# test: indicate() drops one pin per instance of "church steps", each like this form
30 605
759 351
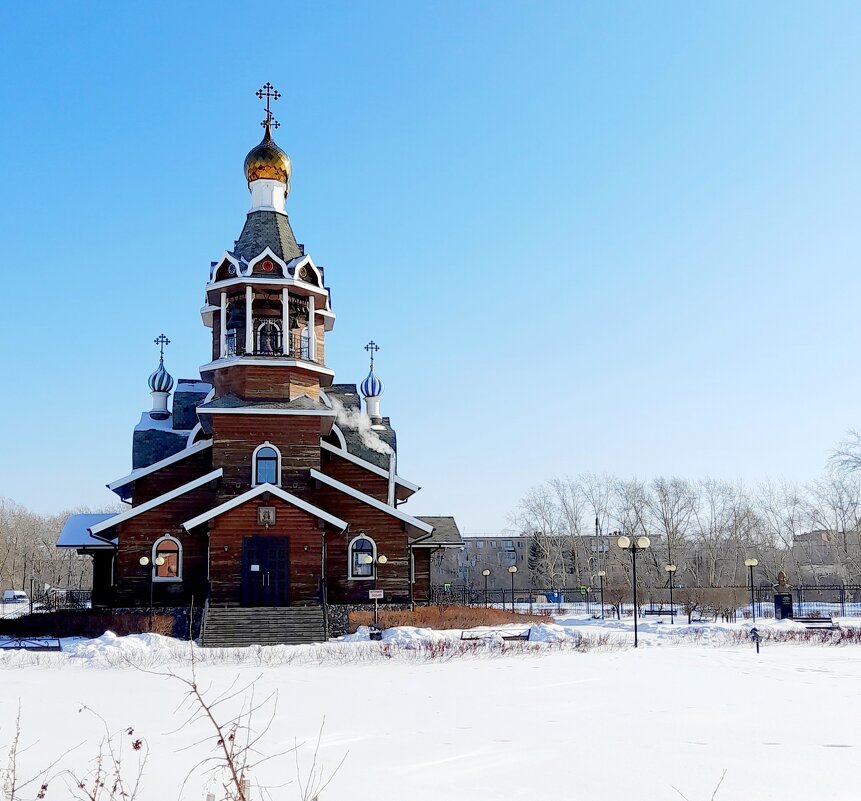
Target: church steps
237 627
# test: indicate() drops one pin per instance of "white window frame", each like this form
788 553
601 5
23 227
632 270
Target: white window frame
350 576
179 559
275 448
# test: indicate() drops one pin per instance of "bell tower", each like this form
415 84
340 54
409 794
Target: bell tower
266 302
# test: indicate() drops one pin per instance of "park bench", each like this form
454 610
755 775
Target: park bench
704 615
661 612
30 644
505 634
817 622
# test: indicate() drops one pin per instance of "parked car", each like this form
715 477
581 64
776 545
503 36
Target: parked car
15 597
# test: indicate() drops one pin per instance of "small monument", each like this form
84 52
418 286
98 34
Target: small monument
782 599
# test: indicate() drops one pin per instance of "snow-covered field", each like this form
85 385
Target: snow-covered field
569 718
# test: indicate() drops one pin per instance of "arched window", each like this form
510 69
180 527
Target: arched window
305 344
269 338
167 559
266 465
362 557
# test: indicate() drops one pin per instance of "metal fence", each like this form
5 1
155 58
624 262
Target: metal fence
729 603
52 599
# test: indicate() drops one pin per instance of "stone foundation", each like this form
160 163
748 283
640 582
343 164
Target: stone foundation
338 615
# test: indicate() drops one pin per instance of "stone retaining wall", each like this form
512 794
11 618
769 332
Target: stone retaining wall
338 615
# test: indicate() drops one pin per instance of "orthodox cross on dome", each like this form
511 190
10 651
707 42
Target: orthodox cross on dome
161 340
372 347
270 93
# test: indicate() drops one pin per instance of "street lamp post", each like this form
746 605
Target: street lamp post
601 574
512 570
159 561
485 573
751 564
671 570
369 560
634 546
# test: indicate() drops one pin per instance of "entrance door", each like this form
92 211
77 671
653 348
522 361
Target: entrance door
265 562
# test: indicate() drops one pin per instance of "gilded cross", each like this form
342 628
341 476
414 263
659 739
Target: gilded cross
270 93
161 340
372 347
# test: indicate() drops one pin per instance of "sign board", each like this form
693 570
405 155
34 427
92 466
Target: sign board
375 595
255 568
783 606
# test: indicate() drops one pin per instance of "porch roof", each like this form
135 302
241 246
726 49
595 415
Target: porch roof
115 520
445 534
272 490
76 532
413 522
121 485
407 486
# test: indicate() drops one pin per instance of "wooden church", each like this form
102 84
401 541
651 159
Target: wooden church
263 492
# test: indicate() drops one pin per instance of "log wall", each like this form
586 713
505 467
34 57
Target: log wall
305 535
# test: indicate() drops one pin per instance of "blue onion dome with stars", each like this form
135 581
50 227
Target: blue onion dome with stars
161 380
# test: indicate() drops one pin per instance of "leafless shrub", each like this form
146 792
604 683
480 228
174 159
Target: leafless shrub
90 624
105 779
713 795
14 787
442 617
234 745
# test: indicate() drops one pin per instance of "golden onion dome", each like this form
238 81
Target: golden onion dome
267 161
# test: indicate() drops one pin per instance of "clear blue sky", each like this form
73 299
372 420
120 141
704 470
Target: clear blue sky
612 237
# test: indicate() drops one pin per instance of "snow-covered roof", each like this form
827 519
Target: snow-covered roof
148 423
192 385
76 531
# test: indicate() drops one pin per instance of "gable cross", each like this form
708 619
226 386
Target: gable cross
269 92
161 340
372 347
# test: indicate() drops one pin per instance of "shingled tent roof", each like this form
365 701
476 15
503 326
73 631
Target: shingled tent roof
267 229
348 396
231 401
445 531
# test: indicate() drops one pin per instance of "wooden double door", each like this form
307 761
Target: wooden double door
265 571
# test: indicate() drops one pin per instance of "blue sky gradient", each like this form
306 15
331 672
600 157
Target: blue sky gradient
588 237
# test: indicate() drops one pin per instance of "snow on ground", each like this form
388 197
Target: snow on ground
609 723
